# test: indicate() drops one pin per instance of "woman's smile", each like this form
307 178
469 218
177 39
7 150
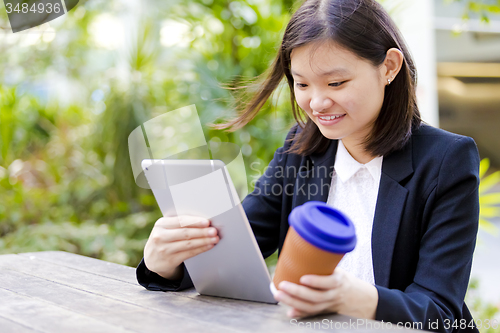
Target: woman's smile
328 120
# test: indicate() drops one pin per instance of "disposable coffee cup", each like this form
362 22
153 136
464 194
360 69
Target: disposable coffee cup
317 239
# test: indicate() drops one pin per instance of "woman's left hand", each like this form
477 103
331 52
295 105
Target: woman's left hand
339 292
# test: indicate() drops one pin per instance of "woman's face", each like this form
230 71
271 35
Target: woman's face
340 92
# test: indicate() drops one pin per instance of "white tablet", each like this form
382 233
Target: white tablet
234 267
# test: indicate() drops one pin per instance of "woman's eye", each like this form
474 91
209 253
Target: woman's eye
336 84
301 85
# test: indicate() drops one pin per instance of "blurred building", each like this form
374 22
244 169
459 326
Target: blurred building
468 75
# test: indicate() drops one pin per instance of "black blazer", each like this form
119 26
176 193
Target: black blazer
424 229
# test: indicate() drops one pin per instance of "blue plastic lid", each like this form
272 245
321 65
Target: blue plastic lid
323 226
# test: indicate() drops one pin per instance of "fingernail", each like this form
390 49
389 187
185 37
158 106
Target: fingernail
212 232
283 285
213 239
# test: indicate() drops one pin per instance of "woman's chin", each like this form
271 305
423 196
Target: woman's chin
329 134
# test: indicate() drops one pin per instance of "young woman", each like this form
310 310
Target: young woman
410 189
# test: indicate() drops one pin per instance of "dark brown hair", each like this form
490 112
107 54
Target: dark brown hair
364 28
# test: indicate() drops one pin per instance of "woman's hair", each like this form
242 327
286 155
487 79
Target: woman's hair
364 28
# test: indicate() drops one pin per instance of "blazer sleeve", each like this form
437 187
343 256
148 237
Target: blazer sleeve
446 247
264 205
263 211
152 281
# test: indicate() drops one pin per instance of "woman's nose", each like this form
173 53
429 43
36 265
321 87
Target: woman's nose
320 103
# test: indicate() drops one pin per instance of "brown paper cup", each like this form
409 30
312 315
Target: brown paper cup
298 257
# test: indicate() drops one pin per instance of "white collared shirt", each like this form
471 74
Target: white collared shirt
354 191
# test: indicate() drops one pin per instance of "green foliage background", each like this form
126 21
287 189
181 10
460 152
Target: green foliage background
65 175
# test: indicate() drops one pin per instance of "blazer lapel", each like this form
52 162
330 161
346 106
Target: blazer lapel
391 200
315 176
313 183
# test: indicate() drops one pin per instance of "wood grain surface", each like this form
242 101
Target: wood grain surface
64 292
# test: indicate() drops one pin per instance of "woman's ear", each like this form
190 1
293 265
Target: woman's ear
392 64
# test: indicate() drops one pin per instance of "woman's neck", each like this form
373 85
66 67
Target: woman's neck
358 152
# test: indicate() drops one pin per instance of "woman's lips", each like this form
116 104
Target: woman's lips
328 120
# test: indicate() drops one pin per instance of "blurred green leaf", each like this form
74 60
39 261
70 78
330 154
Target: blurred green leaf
488 182
490 199
484 165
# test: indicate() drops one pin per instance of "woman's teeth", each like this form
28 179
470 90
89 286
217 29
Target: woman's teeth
331 117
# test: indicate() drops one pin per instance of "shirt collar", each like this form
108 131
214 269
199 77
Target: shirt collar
346 166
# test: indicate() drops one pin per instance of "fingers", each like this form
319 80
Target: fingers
165 256
186 233
191 244
295 313
323 282
306 293
306 307
175 239
299 304
184 255
188 221
315 294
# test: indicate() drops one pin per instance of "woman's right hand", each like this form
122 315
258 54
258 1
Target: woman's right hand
175 239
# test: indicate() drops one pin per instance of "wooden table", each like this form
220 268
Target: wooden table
65 292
